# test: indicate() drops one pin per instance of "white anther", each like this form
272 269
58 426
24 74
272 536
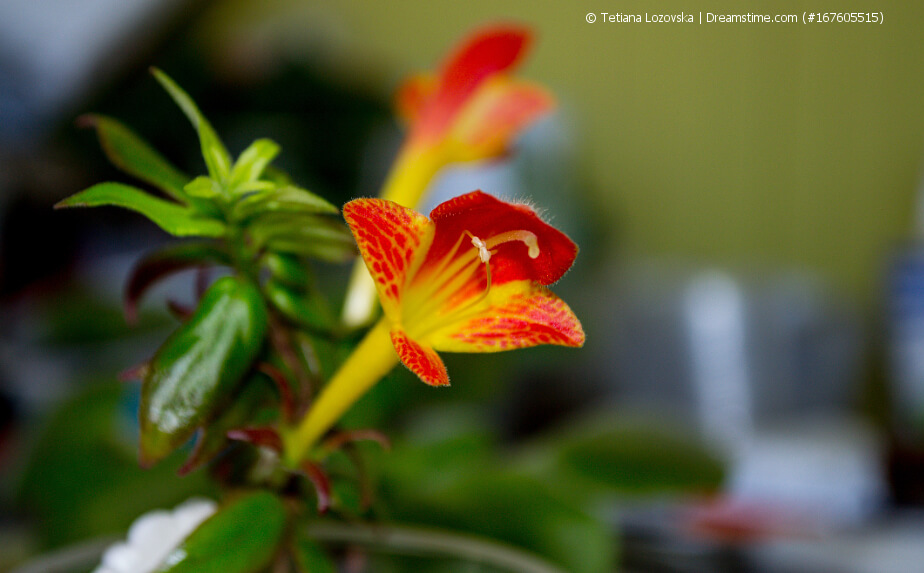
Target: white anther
483 253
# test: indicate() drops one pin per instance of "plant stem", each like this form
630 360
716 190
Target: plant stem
399 539
370 361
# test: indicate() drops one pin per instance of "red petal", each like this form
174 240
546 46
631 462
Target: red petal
414 95
421 360
495 115
389 237
527 315
483 54
486 216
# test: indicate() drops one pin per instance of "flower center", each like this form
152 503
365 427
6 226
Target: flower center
454 287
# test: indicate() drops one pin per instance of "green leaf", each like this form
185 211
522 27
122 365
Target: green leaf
251 163
288 199
202 187
242 537
315 236
175 219
217 158
625 458
198 367
289 270
307 309
134 156
255 404
310 558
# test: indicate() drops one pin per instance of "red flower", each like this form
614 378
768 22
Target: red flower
473 108
469 279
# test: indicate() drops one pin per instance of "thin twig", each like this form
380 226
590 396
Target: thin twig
400 539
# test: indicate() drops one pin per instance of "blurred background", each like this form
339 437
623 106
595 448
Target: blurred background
748 199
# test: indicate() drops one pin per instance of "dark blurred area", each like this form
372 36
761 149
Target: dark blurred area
750 278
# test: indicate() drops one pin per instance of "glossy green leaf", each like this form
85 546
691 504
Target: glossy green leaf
241 537
251 163
310 558
171 217
304 308
284 200
134 156
200 365
217 158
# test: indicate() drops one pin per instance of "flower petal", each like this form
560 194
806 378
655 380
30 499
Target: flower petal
521 314
486 53
486 216
414 95
421 360
496 113
392 240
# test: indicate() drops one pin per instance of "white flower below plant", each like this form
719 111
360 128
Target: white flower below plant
153 536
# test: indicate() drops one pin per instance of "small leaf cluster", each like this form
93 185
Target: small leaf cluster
232 361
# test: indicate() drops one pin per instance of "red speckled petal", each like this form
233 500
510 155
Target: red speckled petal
496 113
486 52
421 360
525 314
392 240
486 216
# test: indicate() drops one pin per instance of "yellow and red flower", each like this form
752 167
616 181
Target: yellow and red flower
471 278
473 108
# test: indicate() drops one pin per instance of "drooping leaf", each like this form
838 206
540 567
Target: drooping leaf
241 537
127 151
175 219
285 200
217 158
199 366
603 457
251 163
165 262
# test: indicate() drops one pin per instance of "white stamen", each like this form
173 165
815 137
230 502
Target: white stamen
483 253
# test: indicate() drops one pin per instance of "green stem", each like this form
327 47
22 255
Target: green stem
370 361
399 539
